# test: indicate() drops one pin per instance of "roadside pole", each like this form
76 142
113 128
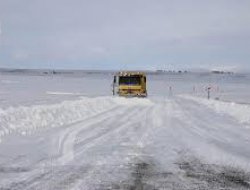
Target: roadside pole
208 92
170 91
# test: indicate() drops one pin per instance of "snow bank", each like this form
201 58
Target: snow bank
26 119
9 82
241 112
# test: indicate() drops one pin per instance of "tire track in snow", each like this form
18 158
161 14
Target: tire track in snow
29 180
212 124
100 137
164 124
148 122
213 131
36 173
116 137
87 126
136 152
94 124
110 127
71 127
68 137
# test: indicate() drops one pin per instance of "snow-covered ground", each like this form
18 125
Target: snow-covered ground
60 132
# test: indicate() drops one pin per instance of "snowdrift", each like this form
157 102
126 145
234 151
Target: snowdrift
25 120
240 112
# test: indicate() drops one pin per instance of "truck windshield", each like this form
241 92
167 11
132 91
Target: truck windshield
129 80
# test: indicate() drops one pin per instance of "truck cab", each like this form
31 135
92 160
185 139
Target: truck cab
130 84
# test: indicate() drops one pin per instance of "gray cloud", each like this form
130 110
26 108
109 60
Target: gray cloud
118 33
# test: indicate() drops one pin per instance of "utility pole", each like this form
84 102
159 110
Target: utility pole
170 91
208 92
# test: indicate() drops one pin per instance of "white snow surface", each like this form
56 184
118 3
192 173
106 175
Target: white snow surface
70 133
241 112
25 119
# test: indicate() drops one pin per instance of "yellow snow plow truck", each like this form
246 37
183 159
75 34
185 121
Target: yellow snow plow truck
130 84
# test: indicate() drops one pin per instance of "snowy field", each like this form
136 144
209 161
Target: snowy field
68 132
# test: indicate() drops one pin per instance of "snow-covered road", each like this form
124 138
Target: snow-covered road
116 143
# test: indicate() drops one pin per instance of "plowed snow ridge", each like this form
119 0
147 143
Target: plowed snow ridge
27 119
240 112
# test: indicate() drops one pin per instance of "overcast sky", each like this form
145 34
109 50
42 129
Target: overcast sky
125 34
